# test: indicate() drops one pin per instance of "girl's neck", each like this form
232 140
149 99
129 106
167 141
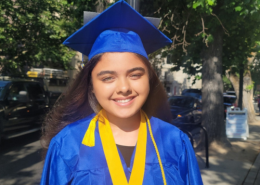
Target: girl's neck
125 130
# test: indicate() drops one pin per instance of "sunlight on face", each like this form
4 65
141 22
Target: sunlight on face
121 83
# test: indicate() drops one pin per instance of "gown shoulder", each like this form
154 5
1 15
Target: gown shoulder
74 131
174 141
177 150
69 139
168 131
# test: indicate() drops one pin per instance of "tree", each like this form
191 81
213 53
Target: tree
32 32
242 51
202 32
251 77
255 71
247 87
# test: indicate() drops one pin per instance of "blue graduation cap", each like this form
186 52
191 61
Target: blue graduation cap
117 29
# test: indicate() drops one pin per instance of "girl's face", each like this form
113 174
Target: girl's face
121 83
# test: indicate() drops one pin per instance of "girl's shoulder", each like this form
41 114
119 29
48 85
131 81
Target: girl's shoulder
166 129
172 139
73 133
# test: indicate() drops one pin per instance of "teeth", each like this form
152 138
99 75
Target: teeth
124 101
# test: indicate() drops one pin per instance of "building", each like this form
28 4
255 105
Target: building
174 81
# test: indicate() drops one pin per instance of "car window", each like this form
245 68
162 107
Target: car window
196 95
3 88
181 102
229 99
231 93
14 91
1 91
198 104
35 91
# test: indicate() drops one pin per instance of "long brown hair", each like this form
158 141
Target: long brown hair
79 101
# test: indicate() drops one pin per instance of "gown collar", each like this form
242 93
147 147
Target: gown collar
88 155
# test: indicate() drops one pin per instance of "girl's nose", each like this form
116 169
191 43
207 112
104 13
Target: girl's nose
123 86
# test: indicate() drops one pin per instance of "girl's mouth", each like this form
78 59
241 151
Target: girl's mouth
125 101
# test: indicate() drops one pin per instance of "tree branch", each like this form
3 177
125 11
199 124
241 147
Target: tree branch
225 30
182 42
203 32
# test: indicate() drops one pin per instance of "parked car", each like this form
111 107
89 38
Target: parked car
52 96
23 104
185 110
229 101
231 93
192 92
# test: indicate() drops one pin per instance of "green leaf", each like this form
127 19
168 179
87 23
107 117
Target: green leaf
211 2
210 38
196 4
238 8
249 87
197 77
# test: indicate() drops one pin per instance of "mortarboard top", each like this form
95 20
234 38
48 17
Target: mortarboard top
117 29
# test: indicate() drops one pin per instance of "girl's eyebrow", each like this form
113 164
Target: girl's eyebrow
105 72
128 71
136 69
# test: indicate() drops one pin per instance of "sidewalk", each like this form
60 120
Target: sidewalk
239 165
253 177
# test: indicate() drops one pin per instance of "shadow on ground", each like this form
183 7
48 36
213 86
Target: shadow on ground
230 166
20 160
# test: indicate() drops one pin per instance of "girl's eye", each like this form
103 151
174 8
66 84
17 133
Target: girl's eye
107 79
136 76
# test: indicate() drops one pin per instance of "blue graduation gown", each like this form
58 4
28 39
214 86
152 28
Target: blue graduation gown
70 162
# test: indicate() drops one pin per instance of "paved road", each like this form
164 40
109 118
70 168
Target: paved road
20 160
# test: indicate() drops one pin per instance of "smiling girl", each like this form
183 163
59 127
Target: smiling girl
108 127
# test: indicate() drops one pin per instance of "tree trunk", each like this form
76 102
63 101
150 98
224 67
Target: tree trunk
100 6
247 94
235 83
248 97
241 84
212 89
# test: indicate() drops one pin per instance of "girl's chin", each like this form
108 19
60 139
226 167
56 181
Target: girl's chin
124 114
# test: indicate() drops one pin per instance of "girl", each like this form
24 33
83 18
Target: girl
104 130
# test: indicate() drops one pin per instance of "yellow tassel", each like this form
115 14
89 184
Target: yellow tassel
89 137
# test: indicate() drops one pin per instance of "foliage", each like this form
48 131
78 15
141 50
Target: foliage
215 34
249 87
227 84
191 25
32 32
255 71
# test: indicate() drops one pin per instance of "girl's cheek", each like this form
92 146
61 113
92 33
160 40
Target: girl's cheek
104 90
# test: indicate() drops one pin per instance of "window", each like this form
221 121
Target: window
3 88
229 99
14 91
181 102
58 82
35 91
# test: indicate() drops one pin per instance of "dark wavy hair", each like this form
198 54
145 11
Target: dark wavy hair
79 101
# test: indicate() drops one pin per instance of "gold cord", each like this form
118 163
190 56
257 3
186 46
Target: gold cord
156 149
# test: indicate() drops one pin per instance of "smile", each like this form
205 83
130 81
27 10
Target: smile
124 101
